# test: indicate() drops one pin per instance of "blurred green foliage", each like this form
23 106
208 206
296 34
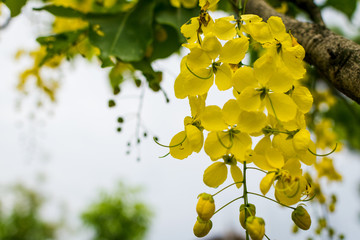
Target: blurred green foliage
118 215
23 220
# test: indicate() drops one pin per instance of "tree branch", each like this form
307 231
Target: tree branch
337 58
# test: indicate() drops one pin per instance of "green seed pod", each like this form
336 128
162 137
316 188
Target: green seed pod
251 211
301 218
255 226
205 207
202 228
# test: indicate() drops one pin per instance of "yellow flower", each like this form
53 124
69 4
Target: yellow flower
301 218
326 168
216 173
191 140
205 207
184 3
250 211
264 86
202 228
225 138
255 226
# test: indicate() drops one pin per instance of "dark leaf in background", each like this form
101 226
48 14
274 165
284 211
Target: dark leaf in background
15 6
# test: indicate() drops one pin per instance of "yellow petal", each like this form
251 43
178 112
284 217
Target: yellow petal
281 106
234 50
211 46
264 67
303 98
301 140
195 137
213 147
224 29
231 112
249 99
183 150
189 29
280 81
267 182
259 31
274 158
179 87
223 77
198 58
215 174
278 29
197 104
307 157
244 77
212 119
285 145
236 174
241 145
251 122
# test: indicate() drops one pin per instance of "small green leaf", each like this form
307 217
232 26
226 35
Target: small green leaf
15 6
59 43
60 11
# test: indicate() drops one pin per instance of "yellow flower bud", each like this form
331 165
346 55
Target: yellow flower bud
205 207
255 226
202 228
251 211
301 218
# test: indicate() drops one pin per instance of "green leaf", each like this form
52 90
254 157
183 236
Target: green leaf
124 35
175 17
15 6
59 43
60 11
346 116
347 7
166 42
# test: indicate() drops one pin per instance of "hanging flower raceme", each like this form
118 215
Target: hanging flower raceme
269 101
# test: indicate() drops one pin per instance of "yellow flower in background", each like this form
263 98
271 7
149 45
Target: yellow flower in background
184 3
325 168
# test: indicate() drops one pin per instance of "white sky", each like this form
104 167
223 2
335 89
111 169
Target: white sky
79 152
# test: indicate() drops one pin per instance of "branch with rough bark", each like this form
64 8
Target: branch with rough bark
335 57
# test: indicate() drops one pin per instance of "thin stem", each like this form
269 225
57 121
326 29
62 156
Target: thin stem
170 146
165 155
323 155
226 187
231 141
271 200
204 78
244 7
272 107
245 199
266 236
257 169
228 204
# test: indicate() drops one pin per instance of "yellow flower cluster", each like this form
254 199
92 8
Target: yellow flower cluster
268 102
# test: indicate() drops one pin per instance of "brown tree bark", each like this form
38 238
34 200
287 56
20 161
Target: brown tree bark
337 58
